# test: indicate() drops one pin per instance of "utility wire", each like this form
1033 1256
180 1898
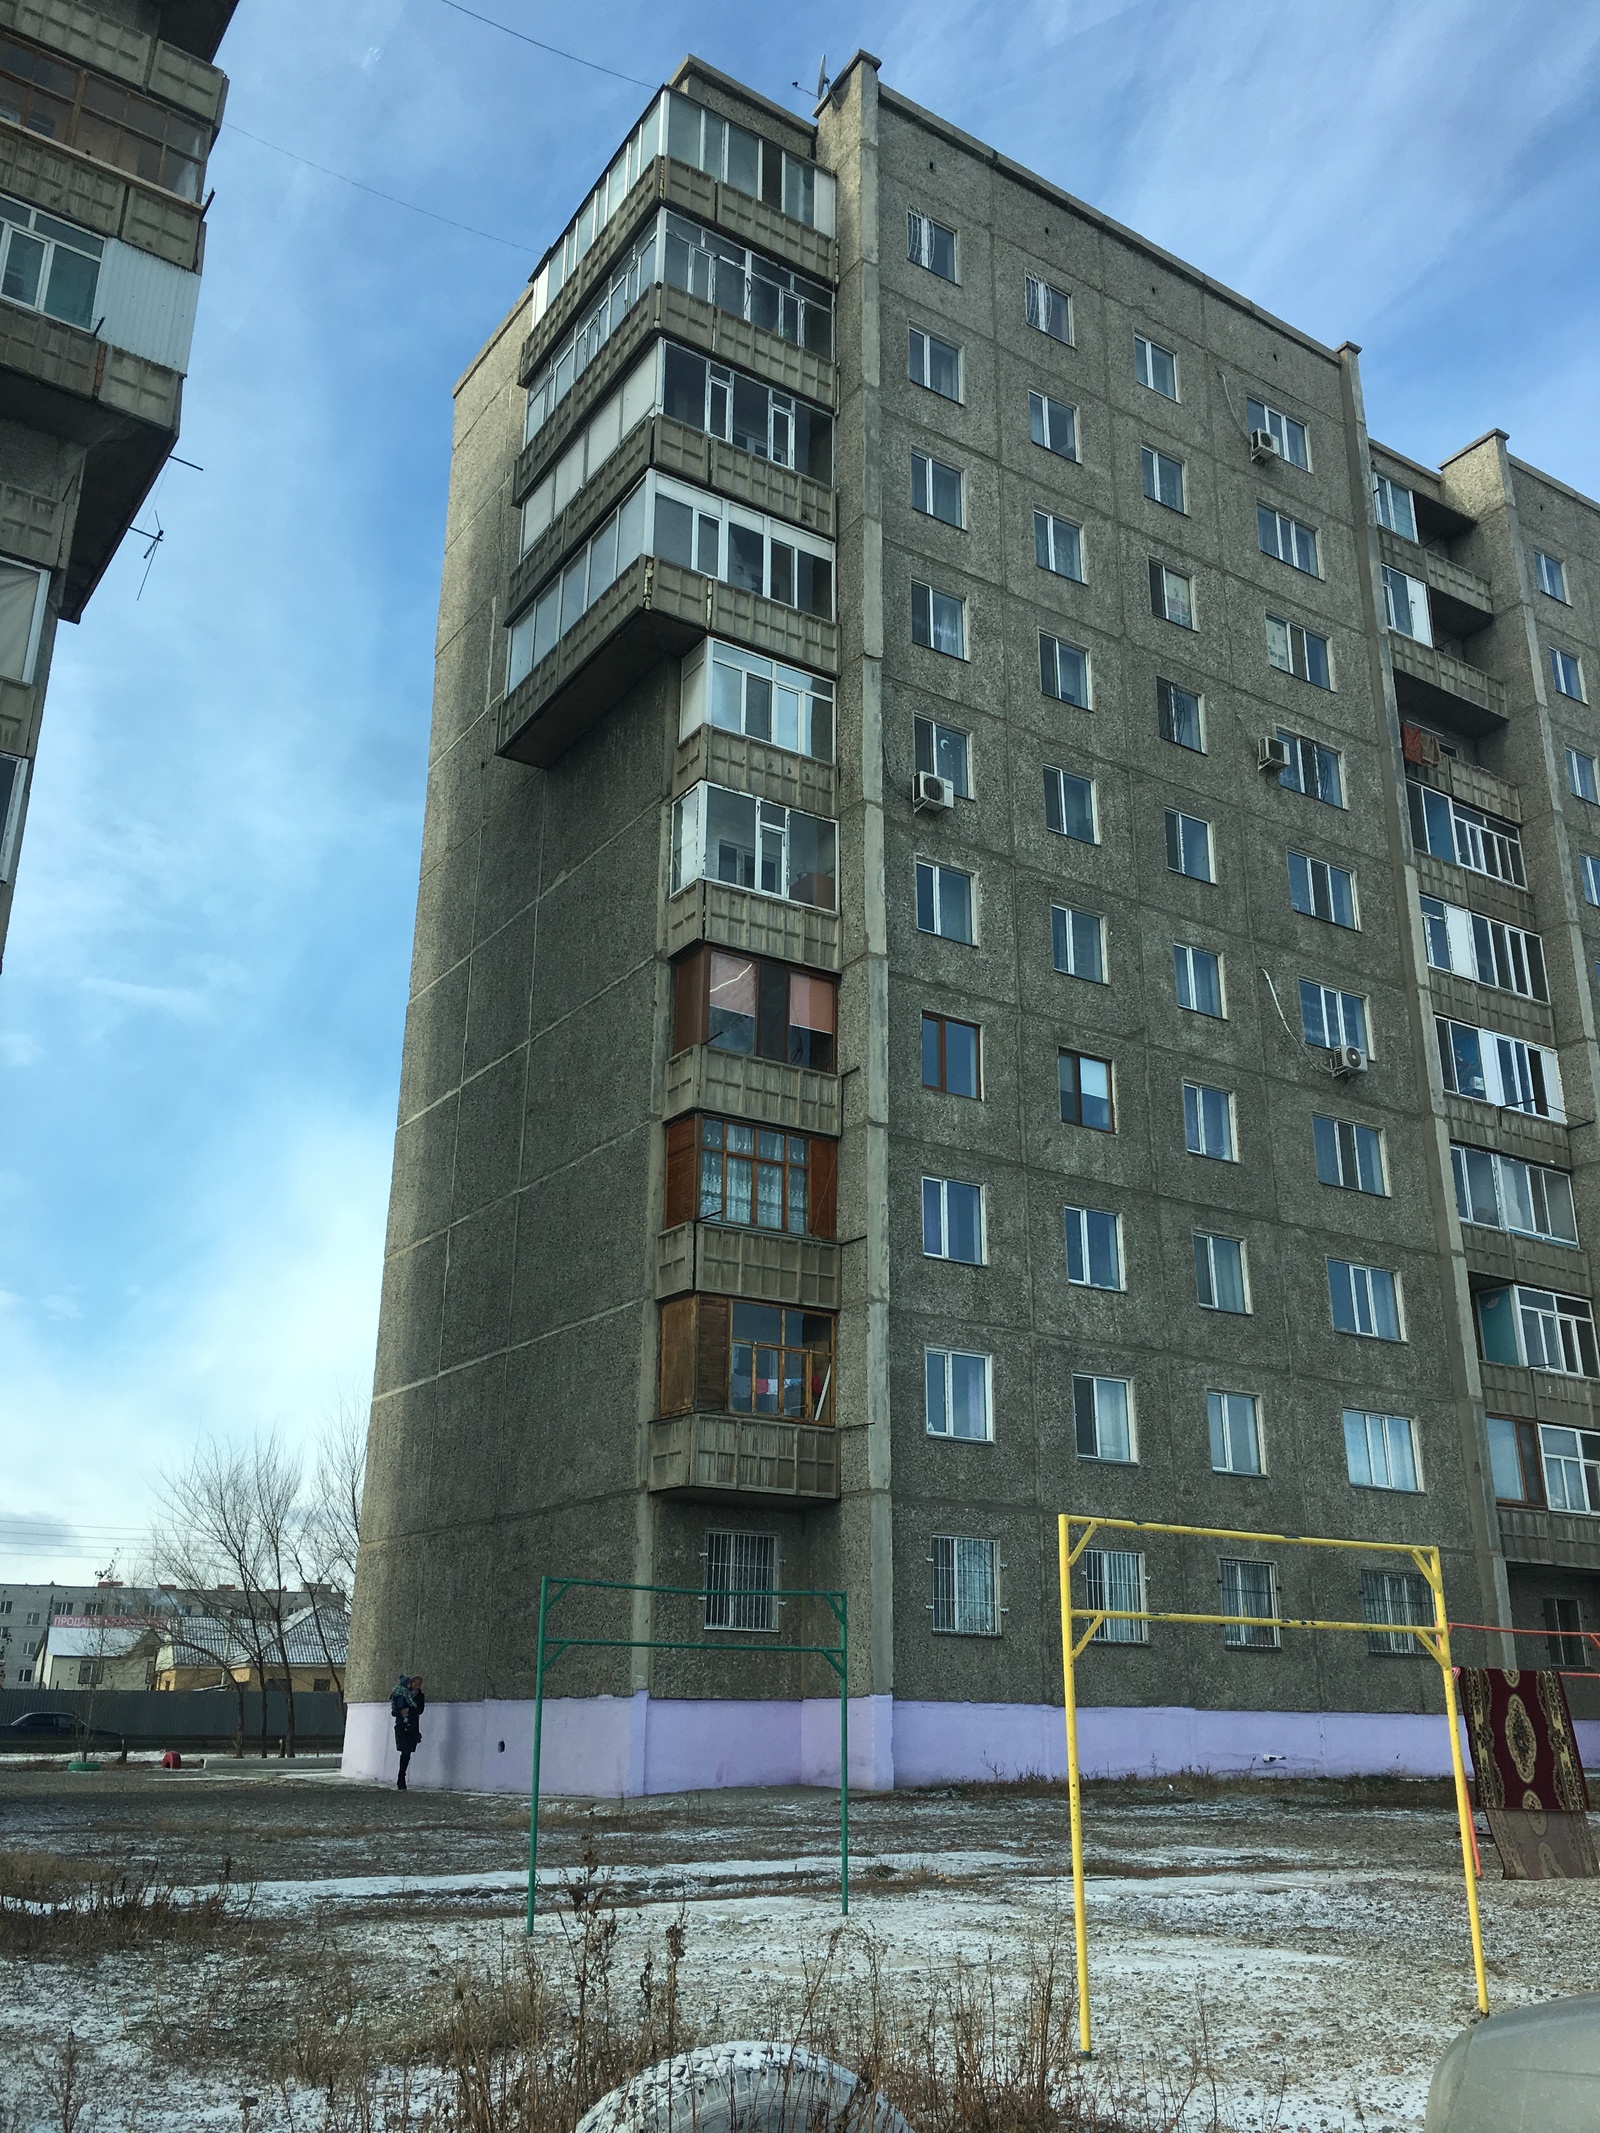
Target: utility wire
522 37
394 200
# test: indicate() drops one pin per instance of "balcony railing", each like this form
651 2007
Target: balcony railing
1438 686
702 1078
1462 601
1555 1537
743 1455
760 1265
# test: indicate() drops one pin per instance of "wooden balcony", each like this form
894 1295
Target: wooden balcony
703 1455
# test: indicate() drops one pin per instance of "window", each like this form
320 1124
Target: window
1514 1459
745 413
1321 891
950 1056
1365 1300
1313 769
1189 846
1551 574
741 1581
1250 1589
1571 1468
1395 1596
754 1176
1380 1451
1483 948
936 489
1094 1248
938 620
759 1009
105 121
952 1221
1053 424
1085 1084
748 163
46 264
934 364
1064 671
1047 309
779 1362
1502 1192
23 592
1289 434
1171 595
1465 836
1279 535
1199 980
1581 778
1208 1121
1297 651
958 1395
965 1601
1220 1282
929 244
592 445
1396 509
1069 807
1348 1155
13 786
1181 716
1163 478
1567 674
944 901
1155 366
946 751
1058 545
1234 1419
1563 1614
742 692
1113 1579
1405 602
1078 943
1102 1415
722 835
1492 1069
1589 870
1536 1329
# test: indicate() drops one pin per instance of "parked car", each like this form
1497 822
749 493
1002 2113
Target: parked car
59 1726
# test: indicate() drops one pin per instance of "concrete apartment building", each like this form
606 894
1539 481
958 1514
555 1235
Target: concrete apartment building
108 109
1008 922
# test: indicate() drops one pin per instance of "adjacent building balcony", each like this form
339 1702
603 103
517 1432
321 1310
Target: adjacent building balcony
702 1078
780 774
765 1266
698 324
1461 600
743 1455
1438 687
1549 1537
759 925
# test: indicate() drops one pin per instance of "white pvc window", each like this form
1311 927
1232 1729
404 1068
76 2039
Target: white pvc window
1381 1450
1395 1596
1058 545
13 790
1053 424
1163 478
1571 1460
637 397
1535 1329
1078 943
1318 890
1465 836
1047 309
1064 671
939 621
1396 509
1198 976
944 752
1505 1071
958 1394
1069 806
930 244
1581 777
1114 1580
762 699
1189 847
1171 595
966 1595
1234 1422
936 489
23 593
1094 1248
47 264
1349 1155
1289 434
1297 651
1155 366
1180 714
1286 538
1250 1589
1365 1300
722 835
1566 671
953 1221
1405 602
1208 1121
1551 575
934 364
1103 1420
1313 769
945 901
1486 949
1221 1273
1329 1018
1503 1192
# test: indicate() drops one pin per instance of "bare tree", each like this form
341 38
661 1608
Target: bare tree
330 1530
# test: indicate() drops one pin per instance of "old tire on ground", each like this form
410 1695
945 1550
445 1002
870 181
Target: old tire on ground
745 2087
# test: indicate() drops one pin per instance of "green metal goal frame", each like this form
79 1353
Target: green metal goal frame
552 1590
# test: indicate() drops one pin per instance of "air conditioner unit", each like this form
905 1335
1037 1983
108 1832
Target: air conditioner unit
1272 753
1263 445
930 791
1348 1059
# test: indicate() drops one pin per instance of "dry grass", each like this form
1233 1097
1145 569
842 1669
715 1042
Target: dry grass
68 1910
1199 1788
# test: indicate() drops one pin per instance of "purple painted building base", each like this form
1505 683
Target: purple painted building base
624 1746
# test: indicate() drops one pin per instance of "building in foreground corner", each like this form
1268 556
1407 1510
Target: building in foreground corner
1007 924
108 109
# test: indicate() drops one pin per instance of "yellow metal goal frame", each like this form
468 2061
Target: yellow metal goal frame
1434 1639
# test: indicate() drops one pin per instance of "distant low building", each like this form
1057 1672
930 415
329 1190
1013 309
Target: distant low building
97 1652
219 1651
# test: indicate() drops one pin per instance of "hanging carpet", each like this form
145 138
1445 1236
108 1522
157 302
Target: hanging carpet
1529 1774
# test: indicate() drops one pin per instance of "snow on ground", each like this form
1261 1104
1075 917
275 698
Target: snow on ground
1312 1948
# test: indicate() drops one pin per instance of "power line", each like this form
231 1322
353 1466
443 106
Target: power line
539 44
394 200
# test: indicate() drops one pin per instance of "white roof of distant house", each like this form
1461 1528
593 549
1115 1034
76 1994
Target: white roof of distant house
192 1640
95 1639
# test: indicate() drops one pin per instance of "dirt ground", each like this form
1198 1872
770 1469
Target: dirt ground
1305 1944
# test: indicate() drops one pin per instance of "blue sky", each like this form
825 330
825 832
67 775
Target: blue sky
204 989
